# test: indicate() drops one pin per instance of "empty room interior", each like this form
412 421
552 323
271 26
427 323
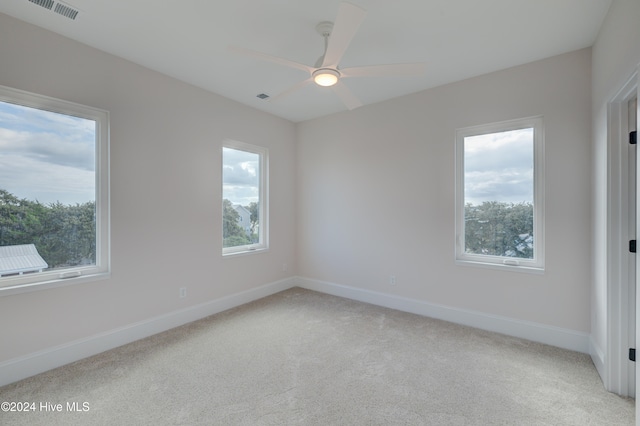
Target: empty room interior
470 167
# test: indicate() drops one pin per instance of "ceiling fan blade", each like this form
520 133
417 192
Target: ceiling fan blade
347 23
274 59
384 70
290 90
347 96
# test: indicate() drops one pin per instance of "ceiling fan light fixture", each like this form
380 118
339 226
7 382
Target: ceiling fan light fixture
326 77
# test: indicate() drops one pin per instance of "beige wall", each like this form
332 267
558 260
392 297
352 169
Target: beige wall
376 194
166 140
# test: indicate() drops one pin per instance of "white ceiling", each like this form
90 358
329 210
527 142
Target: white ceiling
188 40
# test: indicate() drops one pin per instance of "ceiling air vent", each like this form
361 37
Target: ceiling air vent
262 96
60 8
66 11
47 4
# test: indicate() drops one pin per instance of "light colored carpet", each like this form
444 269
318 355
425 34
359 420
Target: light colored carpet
305 358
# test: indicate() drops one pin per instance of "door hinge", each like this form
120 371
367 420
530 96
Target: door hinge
632 137
632 246
632 354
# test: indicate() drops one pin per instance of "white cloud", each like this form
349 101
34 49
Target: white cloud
499 167
240 176
46 156
51 182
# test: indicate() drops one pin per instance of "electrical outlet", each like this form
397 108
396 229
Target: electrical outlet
392 279
183 292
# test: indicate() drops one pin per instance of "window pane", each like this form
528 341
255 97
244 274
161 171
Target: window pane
498 193
241 198
47 190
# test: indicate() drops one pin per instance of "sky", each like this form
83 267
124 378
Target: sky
499 167
240 176
46 156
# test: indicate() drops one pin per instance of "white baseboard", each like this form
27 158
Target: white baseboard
38 362
597 355
555 336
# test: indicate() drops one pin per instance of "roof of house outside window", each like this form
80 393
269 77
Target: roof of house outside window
20 259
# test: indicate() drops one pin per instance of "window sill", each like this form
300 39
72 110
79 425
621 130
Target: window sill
245 251
53 283
528 269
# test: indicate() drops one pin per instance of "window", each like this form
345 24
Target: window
54 191
244 198
499 194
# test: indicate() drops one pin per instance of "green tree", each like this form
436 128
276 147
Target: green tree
16 219
232 233
254 209
65 235
499 229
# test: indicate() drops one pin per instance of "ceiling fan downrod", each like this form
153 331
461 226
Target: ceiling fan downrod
325 77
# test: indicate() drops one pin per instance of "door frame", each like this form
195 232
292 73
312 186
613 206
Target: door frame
617 368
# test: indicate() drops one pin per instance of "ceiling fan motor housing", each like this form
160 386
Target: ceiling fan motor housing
325 76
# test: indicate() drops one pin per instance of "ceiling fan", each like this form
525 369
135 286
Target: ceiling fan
326 71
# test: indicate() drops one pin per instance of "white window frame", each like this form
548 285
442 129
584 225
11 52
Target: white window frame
535 265
73 275
263 230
